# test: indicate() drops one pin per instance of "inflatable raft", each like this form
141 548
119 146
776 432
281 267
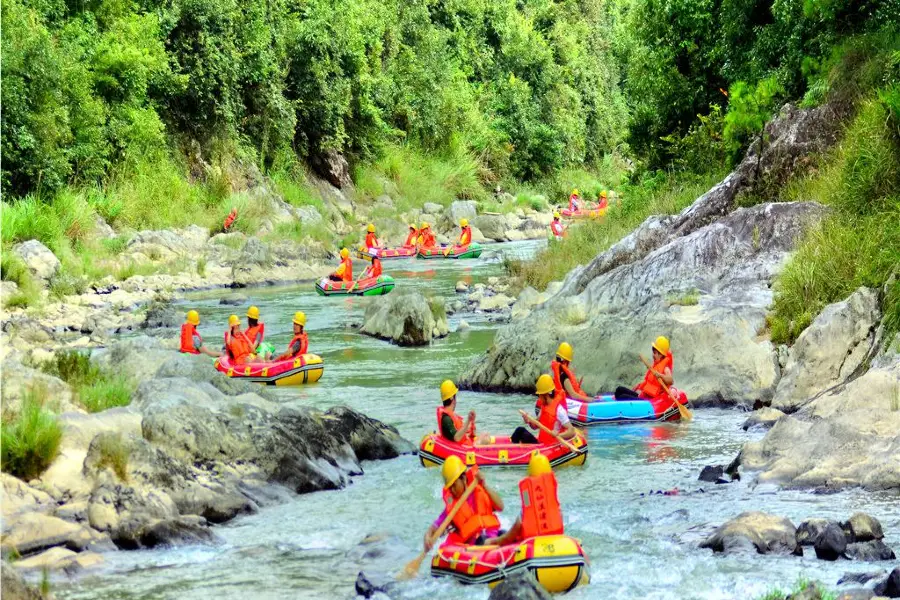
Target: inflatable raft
607 410
388 253
557 562
306 368
372 286
581 213
472 250
434 450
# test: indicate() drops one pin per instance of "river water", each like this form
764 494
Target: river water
640 545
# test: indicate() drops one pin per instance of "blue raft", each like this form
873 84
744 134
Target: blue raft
607 410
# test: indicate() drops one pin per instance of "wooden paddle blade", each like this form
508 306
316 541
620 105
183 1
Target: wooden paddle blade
412 568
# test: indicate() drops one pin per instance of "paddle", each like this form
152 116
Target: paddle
682 409
562 441
412 567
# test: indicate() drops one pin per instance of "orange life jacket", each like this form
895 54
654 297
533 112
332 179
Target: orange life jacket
373 270
650 387
426 238
347 274
188 333
465 237
258 330
229 220
469 521
238 346
557 228
604 203
371 240
557 368
411 238
458 422
304 344
573 202
541 514
547 417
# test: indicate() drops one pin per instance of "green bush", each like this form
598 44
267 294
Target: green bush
107 392
73 367
30 440
114 453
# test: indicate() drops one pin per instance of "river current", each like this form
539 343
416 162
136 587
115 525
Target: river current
640 544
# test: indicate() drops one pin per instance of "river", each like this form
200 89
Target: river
640 545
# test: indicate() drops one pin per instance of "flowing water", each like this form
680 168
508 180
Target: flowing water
640 545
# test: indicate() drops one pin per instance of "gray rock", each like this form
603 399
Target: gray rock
255 252
864 527
810 531
831 544
711 473
831 350
29 533
406 319
462 287
861 578
767 534
308 215
764 418
332 165
19 380
431 208
521 585
493 227
42 263
458 210
872 550
370 439
890 587
162 315
855 594
13 586
367 588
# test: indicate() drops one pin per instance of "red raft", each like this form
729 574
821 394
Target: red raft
556 561
501 452
306 368
593 213
388 253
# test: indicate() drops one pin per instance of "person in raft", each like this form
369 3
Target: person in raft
557 228
372 240
426 236
344 272
541 514
650 387
452 426
256 332
475 520
602 201
237 344
552 415
465 235
574 200
411 237
564 380
299 344
191 342
373 270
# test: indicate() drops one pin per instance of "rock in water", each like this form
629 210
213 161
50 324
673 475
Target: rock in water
832 543
767 534
406 319
890 587
367 588
865 528
830 350
711 473
872 550
370 439
764 418
520 586
811 531
162 315
13 586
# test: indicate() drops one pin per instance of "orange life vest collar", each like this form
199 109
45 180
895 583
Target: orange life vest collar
541 514
558 369
547 418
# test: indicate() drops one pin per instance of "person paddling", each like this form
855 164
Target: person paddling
256 333
552 415
237 345
557 228
465 235
191 342
574 200
564 379
662 367
373 270
372 240
452 426
475 520
426 237
299 344
411 237
541 513
602 201
344 272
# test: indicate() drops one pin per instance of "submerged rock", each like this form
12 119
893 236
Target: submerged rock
406 319
763 418
520 586
890 587
873 550
755 531
831 543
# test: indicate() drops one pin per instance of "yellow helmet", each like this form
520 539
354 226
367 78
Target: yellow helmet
300 318
575 191
544 384
424 225
603 194
661 344
233 320
193 317
371 228
344 253
448 390
463 222
253 312
412 225
538 465
564 351
556 215
452 470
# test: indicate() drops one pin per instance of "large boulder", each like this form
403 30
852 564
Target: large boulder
719 355
406 319
864 528
42 263
832 542
18 381
458 210
755 531
871 551
846 437
17 497
33 532
332 165
370 439
831 350
495 227
521 585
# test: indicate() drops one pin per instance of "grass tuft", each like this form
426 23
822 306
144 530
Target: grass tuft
96 389
114 453
30 440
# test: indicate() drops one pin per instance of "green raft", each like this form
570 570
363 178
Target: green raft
472 250
372 286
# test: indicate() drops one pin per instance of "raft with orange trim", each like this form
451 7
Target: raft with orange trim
609 411
370 286
388 253
435 448
581 213
306 368
472 250
558 562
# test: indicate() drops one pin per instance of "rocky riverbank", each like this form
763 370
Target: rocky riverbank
193 448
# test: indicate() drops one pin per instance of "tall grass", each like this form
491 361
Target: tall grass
114 453
96 389
662 194
30 440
